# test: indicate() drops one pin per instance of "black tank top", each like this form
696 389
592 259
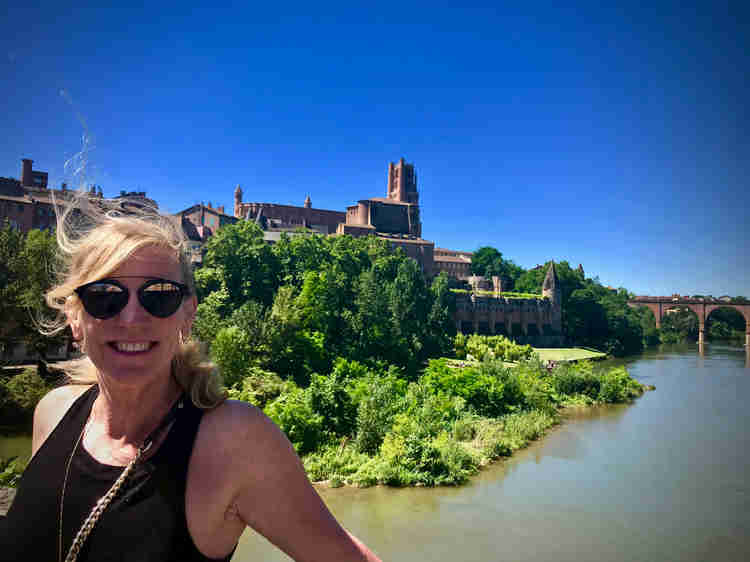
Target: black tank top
146 521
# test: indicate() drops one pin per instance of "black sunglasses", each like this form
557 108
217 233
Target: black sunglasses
108 297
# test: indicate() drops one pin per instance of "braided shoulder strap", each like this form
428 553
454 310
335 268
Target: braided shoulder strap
101 505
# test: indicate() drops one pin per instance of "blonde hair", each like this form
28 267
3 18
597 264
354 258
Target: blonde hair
95 236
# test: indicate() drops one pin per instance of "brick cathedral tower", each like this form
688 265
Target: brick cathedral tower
402 182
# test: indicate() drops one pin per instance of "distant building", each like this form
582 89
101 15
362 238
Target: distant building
199 222
28 203
395 214
206 218
453 263
395 217
272 215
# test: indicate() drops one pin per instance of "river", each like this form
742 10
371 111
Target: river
665 478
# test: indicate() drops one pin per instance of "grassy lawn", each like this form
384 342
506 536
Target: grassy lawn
559 354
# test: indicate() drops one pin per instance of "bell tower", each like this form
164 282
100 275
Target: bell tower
238 201
402 182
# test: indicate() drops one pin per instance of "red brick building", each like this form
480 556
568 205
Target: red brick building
272 215
26 203
395 218
454 263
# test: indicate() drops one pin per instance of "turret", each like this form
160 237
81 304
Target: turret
551 286
27 178
238 201
308 202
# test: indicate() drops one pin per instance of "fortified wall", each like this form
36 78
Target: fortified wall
536 321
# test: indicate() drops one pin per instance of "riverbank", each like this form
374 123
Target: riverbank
457 419
596 479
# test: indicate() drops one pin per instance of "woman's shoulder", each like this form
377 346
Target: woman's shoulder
51 409
242 432
233 422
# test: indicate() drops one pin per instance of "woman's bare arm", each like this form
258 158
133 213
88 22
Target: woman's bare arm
271 493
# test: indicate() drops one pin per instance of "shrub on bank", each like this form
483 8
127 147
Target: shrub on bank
292 412
259 387
10 471
19 396
365 425
484 348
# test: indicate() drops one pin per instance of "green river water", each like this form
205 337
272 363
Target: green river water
665 478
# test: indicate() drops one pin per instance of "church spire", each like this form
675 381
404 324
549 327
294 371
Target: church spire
551 286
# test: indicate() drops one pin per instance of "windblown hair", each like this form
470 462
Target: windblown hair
95 236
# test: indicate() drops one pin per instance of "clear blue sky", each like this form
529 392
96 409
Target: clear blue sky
614 137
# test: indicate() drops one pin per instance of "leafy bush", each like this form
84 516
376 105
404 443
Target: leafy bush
484 348
489 388
292 412
19 396
232 352
329 399
570 381
258 387
618 386
426 413
457 463
490 438
334 461
11 471
210 316
379 398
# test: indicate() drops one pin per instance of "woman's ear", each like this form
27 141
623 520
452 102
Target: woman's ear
74 319
191 305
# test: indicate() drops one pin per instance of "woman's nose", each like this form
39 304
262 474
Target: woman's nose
133 313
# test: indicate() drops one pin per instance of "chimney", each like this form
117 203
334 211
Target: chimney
209 205
220 208
27 179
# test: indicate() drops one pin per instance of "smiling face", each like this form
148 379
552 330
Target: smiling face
134 347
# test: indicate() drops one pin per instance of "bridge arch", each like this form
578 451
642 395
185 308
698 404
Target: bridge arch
702 307
711 317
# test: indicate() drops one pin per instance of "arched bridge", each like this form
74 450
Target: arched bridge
701 306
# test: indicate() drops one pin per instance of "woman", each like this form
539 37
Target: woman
180 470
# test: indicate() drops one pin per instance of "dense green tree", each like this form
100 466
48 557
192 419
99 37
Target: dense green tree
441 326
409 306
488 261
246 263
624 329
28 268
485 261
11 247
586 318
